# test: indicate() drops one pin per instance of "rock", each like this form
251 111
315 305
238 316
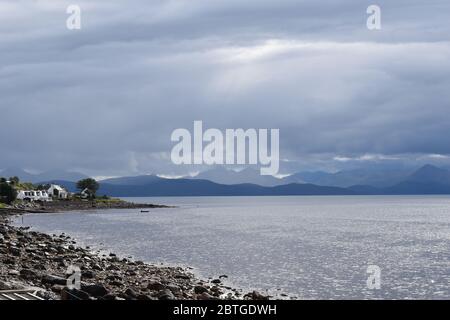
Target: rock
130 294
166 294
97 267
15 251
205 296
174 288
216 281
224 276
13 272
57 288
88 274
52 280
74 294
144 297
109 296
5 285
28 274
131 272
9 261
255 295
155 286
116 283
95 290
112 268
200 289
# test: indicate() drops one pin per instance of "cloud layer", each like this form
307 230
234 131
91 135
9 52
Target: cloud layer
105 99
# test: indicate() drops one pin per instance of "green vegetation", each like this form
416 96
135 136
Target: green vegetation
90 184
7 191
2 205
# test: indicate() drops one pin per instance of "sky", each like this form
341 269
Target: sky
105 99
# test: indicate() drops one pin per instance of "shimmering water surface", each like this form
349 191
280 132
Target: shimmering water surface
308 247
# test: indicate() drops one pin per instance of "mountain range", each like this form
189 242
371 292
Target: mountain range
424 180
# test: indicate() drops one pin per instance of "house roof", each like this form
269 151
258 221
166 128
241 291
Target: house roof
57 187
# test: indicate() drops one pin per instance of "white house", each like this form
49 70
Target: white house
33 195
57 192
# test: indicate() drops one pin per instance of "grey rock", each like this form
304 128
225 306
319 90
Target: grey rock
52 280
155 286
166 294
200 289
95 290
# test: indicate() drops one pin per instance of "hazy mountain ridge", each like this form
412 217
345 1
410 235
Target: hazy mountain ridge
44 176
425 180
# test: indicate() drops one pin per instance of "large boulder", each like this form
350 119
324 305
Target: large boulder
95 290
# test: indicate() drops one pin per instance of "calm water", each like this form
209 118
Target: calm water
308 247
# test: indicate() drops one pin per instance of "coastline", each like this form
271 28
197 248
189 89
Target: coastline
40 261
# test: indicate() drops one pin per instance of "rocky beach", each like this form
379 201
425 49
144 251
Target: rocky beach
34 260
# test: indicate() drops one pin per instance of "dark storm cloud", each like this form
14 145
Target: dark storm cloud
105 99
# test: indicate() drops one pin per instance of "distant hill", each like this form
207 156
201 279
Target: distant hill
133 181
249 175
44 176
197 187
425 180
375 177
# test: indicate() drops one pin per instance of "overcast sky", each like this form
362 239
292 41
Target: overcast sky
105 99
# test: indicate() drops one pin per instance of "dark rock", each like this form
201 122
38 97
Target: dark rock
144 297
130 294
112 268
97 267
95 290
74 294
216 281
28 274
5 285
88 274
57 288
15 251
205 296
155 286
166 295
51 280
174 288
200 289
9 261
116 283
255 295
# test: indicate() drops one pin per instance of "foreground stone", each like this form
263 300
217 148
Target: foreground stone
33 259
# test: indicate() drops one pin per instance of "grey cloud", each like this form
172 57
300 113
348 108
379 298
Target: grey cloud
105 99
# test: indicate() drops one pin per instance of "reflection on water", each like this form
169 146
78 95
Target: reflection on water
310 247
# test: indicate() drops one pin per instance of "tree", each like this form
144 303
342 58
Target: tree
14 180
89 184
7 193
